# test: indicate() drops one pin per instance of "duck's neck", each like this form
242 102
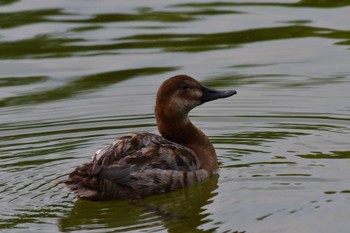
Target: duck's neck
181 130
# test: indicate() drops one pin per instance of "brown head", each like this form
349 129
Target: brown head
177 96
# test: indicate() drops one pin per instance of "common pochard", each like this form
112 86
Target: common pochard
142 164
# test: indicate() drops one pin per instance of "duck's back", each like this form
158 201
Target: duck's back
135 166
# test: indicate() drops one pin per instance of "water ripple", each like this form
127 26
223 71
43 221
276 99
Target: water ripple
75 75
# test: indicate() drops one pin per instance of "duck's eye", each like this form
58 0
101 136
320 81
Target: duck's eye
185 87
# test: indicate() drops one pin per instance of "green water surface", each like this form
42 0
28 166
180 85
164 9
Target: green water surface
74 75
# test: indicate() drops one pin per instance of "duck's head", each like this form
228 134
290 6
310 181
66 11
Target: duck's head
180 94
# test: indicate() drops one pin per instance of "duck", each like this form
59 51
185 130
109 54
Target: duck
142 164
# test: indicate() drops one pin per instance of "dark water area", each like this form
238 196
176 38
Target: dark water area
74 75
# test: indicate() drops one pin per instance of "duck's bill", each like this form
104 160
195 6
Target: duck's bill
212 94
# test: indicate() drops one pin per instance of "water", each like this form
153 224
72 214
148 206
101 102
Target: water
76 74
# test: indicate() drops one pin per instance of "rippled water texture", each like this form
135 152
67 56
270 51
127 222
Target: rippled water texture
74 75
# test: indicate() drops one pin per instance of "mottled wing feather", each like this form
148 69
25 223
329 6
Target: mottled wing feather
161 181
143 149
119 174
167 157
115 151
134 166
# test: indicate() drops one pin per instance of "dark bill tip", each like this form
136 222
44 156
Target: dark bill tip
211 94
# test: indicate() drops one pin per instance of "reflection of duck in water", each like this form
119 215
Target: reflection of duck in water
143 163
185 210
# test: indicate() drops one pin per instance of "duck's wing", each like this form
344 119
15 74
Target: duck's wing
145 150
135 166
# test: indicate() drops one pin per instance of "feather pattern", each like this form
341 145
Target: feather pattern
135 166
143 163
